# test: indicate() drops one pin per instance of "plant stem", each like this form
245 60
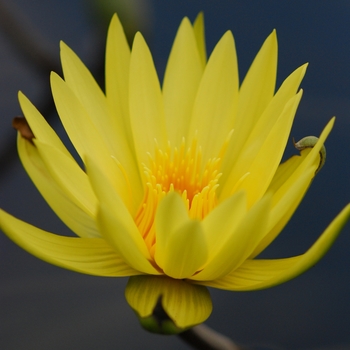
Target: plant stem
202 337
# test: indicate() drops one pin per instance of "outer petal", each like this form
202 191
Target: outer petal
284 208
74 216
198 28
87 91
39 126
289 186
86 138
185 304
69 176
216 98
116 224
260 274
238 243
182 249
145 101
113 128
85 255
257 88
265 162
182 76
222 221
238 157
117 78
117 93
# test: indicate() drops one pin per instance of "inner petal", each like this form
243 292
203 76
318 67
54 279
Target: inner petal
182 170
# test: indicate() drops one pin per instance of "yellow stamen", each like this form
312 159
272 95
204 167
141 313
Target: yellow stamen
178 170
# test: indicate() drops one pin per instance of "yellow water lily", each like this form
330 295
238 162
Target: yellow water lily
182 185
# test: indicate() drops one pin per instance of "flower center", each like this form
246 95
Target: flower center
181 170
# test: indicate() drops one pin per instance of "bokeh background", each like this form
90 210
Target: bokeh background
44 307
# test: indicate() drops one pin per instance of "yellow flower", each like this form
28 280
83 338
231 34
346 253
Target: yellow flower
183 185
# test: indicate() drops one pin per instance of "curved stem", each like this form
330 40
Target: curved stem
204 338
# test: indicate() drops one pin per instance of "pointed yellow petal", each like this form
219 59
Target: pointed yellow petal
182 249
257 88
214 107
86 138
116 224
117 78
69 176
265 162
238 243
171 214
186 304
222 221
90 96
186 251
117 93
77 219
198 28
284 208
39 126
235 156
181 80
260 274
289 186
85 255
145 101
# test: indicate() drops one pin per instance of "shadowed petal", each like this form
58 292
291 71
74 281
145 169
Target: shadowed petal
238 243
116 223
85 136
73 214
92 256
182 249
69 176
184 303
39 125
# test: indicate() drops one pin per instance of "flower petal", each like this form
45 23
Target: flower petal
216 98
69 176
260 274
116 223
86 138
289 186
112 128
257 88
198 28
186 304
239 242
178 239
182 76
85 255
145 101
262 166
171 214
222 221
73 215
41 129
117 78
239 157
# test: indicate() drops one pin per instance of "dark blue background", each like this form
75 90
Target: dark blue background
44 307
